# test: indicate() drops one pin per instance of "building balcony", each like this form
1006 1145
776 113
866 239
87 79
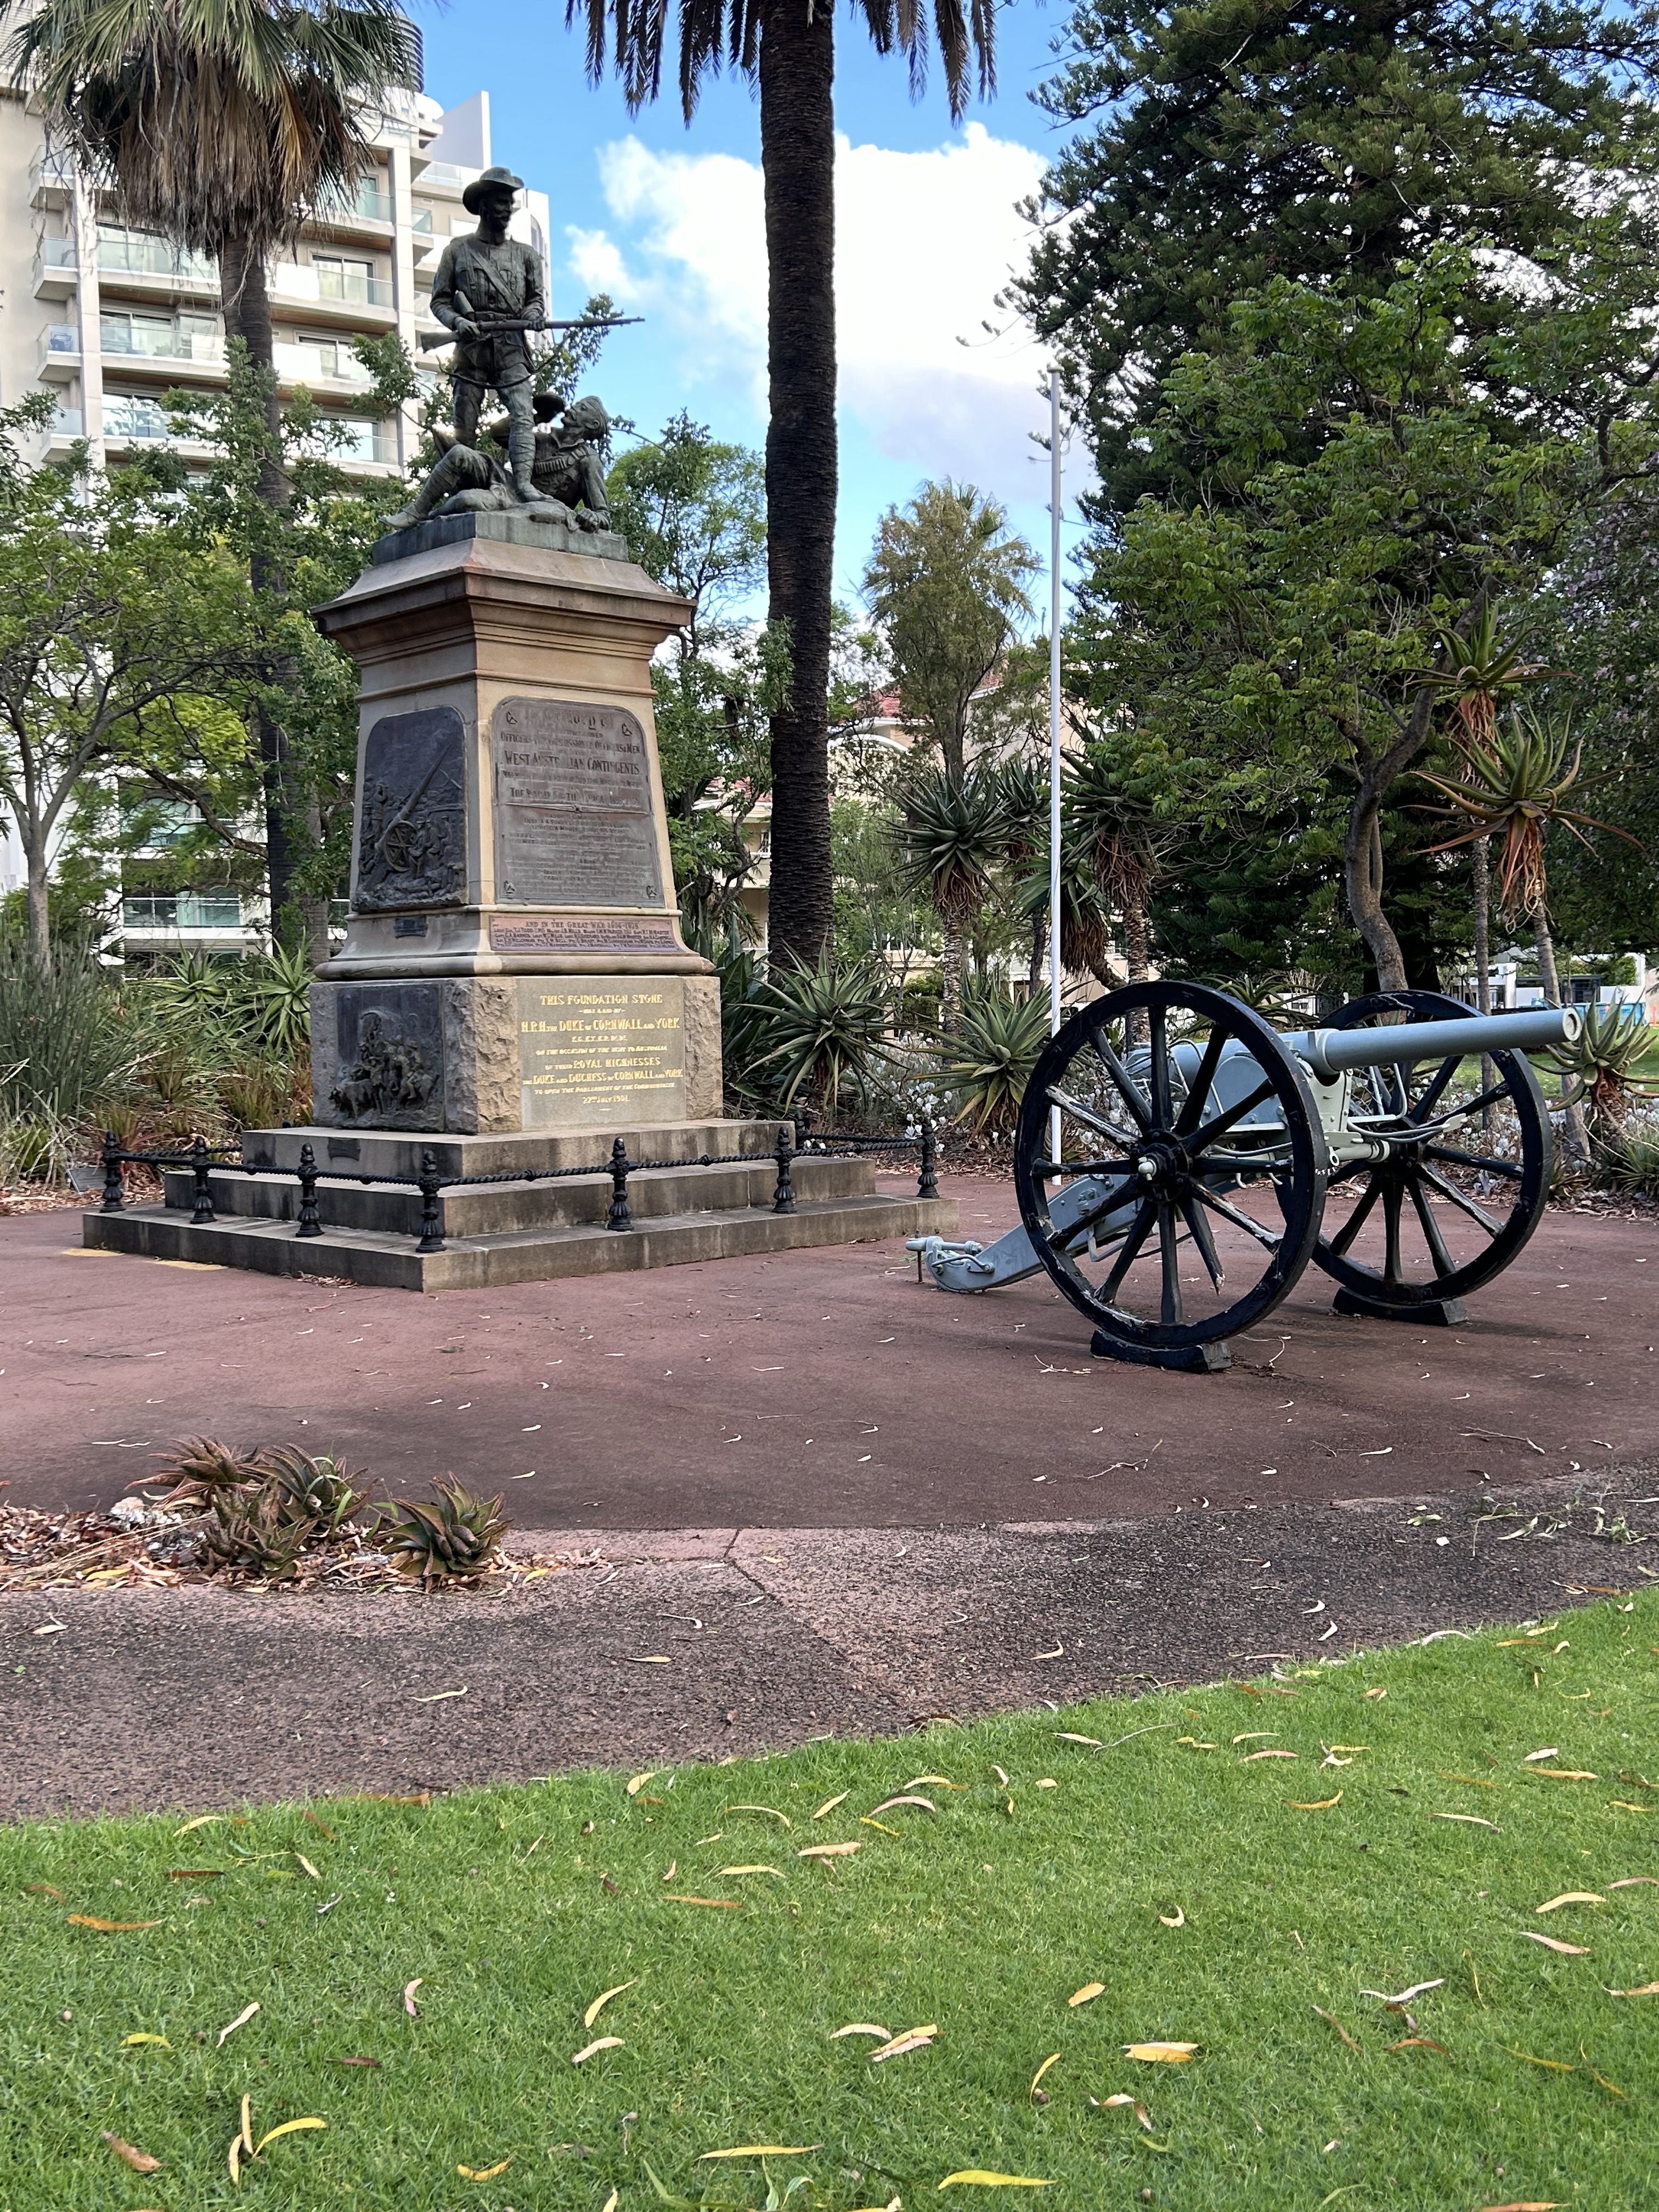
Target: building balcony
175 357
365 214
59 354
51 181
147 268
351 302
57 271
174 912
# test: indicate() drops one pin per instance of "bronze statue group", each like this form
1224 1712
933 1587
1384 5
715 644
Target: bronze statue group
490 293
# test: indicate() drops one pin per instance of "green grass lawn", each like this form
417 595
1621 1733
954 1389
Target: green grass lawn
1215 1895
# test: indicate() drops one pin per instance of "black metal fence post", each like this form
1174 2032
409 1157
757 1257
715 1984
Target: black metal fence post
200 1167
619 1216
309 1225
115 1194
783 1197
432 1226
927 1181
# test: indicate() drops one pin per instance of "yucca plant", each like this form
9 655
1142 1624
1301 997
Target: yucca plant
988 1063
830 1027
951 841
275 987
452 1537
324 1493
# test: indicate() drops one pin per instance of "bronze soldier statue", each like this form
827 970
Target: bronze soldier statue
566 477
490 291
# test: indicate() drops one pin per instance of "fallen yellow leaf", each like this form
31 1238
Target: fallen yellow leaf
637 1782
1179 1921
201 1820
1571 1897
241 2020
888 1803
107 1927
776 1872
127 2041
602 2000
1087 1994
1646 1990
288 2128
247 2137
724 1903
129 2154
1318 1805
605 2043
1563 1773
761 2150
863 2027
865 1822
771 1811
828 1850
913 2039
975 2176
1042 2070
1168 2054
830 1803
1554 1943
308 1867
1636 1881
410 1989
944 1781
485 2172
1470 1819
1555 2065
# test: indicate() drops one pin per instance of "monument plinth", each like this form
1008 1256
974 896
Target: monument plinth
513 960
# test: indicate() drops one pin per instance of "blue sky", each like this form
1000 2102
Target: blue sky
667 219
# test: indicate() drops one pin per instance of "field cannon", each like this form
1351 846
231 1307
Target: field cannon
1175 1188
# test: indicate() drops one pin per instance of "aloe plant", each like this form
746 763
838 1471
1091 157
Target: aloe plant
1604 1063
988 1063
455 1536
830 1024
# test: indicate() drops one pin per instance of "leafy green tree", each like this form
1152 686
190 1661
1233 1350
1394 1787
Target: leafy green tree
946 585
220 123
1218 151
1372 475
949 834
123 633
788 51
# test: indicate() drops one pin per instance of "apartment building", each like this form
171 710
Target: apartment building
109 319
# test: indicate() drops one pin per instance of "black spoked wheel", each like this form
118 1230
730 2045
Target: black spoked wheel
1145 1214
1451 1204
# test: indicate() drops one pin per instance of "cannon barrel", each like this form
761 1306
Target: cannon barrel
1327 1052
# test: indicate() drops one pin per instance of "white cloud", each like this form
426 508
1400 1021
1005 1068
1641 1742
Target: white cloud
924 243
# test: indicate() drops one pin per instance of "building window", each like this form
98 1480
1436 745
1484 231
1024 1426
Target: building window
130 415
183 337
183 910
141 253
339 278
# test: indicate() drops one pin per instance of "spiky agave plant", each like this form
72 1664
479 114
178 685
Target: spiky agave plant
1604 1061
455 1535
988 1063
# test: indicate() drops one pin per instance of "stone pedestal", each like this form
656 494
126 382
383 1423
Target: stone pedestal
513 958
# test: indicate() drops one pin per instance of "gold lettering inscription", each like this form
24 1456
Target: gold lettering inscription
591 1053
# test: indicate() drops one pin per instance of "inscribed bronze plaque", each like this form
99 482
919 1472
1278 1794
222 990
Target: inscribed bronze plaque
411 832
574 821
601 1051
582 933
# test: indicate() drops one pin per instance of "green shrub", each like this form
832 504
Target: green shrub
827 1028
65 1047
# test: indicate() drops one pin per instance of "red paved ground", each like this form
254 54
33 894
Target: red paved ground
816 1390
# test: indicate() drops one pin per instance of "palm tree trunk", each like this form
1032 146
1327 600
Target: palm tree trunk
1572 1120
1481 855
1136 949
245 299
797 159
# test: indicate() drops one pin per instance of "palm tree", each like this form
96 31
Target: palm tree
219 124
787 47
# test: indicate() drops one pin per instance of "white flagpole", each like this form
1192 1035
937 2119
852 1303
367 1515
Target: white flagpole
1053 731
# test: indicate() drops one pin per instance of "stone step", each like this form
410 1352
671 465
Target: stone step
498 1209
470 1263
398 1153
